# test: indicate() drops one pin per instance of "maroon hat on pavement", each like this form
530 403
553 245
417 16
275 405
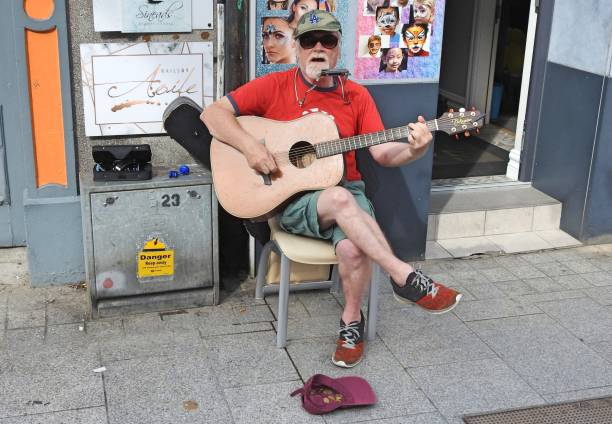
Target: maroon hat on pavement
322 394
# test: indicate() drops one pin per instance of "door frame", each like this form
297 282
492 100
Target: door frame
481 68
514 162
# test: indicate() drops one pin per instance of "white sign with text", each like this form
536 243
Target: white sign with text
108 15
126 88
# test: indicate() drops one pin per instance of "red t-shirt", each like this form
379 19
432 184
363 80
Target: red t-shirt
273 96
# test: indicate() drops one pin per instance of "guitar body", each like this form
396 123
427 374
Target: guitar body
245 193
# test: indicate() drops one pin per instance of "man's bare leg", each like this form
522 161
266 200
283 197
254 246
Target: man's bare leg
336 205
355 270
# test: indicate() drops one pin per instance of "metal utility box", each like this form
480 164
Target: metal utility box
150 245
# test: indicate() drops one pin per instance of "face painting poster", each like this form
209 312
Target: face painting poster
398 40
273 31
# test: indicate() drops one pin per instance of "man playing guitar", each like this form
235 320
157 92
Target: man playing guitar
341 213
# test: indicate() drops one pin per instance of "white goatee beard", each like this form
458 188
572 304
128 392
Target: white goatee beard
313 69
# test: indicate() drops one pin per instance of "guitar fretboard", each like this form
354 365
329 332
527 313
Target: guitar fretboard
334 147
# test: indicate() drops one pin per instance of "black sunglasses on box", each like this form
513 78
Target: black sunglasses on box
308 41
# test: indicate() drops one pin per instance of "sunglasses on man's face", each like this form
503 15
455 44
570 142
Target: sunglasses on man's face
308 41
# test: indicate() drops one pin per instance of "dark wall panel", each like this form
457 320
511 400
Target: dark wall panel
598 223
565 140
401 195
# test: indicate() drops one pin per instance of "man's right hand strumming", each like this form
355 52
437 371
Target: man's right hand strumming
260 158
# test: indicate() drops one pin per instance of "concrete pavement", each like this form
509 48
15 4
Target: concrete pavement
532 329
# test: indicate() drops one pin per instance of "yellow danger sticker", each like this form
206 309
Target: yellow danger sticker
155 261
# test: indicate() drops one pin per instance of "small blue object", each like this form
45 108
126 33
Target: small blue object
173 174
184 170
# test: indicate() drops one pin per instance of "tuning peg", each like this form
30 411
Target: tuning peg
456 137
451 110
467 134
461 110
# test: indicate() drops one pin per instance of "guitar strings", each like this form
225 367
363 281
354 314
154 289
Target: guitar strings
295 154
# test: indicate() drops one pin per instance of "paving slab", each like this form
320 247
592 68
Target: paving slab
26 307
603 263
307 328
580 266
515 288
468 278
604 349
295 308
396 392
147 335
548 297
603 278
524 272
535 258
66 305
434 418
476 386
544 284
510 261
572 282
597 393
268 403
498 274
38 377
95 415
14 273
225 319
418 339
162 390
545 354
554 269
492 308
601 295
248 359
485 291
321 302
583 317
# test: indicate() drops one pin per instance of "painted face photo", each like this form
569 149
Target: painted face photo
374 45
424 11
387 19
393 60
370 6
277 5
415 37
299 8
277 41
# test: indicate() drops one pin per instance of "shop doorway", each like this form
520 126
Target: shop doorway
485 48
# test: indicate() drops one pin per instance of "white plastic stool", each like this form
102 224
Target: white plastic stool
305 250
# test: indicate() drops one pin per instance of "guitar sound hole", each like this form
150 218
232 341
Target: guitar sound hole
302 154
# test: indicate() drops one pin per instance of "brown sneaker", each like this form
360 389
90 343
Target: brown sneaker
426 293
350 344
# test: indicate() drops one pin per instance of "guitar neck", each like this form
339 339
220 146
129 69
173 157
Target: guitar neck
342 145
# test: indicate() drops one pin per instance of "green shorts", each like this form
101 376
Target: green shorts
300 216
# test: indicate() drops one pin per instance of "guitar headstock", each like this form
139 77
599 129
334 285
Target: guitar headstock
461 121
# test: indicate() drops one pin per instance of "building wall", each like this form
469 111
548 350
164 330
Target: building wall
570 161
165 152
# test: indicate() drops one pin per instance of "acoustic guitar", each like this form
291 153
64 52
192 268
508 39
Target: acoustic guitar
307 152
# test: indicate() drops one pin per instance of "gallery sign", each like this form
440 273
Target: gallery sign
126 88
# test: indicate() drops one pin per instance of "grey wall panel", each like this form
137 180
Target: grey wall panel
566 135
58 258
598 217
581 34
401 195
